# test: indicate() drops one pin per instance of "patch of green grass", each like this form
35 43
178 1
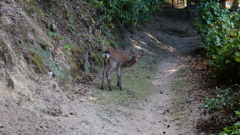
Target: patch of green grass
181 86
136 84
180 83
109 112
104 119
20 101
67 47
16 123
84 121
53 121
71 28
56 36
42 111
70 15
44 43
7 105
34 8
124 113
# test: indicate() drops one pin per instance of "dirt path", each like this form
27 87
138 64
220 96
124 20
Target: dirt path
172 42
159 107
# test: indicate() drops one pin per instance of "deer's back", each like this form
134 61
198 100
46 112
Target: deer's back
116 56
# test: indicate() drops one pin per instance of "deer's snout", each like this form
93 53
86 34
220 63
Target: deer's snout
135 59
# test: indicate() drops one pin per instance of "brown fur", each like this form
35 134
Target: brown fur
117 61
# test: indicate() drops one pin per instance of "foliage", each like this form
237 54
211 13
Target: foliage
128 11
67 47
234 129
218 27
224 102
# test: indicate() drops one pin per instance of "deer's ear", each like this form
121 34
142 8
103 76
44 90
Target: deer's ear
141 54
131 50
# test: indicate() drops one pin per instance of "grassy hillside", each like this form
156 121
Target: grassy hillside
56 37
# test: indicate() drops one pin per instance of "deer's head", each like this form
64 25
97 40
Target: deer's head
135 56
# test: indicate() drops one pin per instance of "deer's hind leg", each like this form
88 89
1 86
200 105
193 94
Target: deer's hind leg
104 74
108 72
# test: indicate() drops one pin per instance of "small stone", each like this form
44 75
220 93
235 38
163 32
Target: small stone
53 27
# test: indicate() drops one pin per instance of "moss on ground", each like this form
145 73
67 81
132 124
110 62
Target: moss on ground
37 60
5 54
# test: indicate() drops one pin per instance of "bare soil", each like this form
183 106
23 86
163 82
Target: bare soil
55 110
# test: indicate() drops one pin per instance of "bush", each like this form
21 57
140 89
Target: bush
128 11
216 26
234 129
225 104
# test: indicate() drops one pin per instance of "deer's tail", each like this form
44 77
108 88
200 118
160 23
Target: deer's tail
106 55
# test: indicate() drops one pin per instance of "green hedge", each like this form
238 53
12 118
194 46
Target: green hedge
219 28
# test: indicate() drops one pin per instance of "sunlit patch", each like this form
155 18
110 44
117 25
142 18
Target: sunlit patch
143 43
160 44
136 45
172 71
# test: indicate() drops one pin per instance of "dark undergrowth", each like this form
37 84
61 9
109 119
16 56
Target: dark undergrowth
219 100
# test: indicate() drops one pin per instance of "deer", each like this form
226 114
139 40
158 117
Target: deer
114 60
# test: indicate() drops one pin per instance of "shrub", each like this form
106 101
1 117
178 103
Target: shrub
223 45
234 129
128 11
224 102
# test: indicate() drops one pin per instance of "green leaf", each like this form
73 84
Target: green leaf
228 61
237 113
237 56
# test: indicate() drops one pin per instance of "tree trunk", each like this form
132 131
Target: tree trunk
235 4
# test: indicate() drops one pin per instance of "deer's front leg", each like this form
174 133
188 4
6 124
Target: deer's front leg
109 82
119 82
103 78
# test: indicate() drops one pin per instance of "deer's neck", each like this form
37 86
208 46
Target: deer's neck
128 63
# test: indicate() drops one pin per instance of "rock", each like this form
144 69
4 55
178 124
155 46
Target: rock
53 27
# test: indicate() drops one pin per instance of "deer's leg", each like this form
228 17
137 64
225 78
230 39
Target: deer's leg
108 77
104 73
103 78
119 82
118 78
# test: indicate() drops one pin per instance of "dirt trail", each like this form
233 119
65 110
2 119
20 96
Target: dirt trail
172 40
